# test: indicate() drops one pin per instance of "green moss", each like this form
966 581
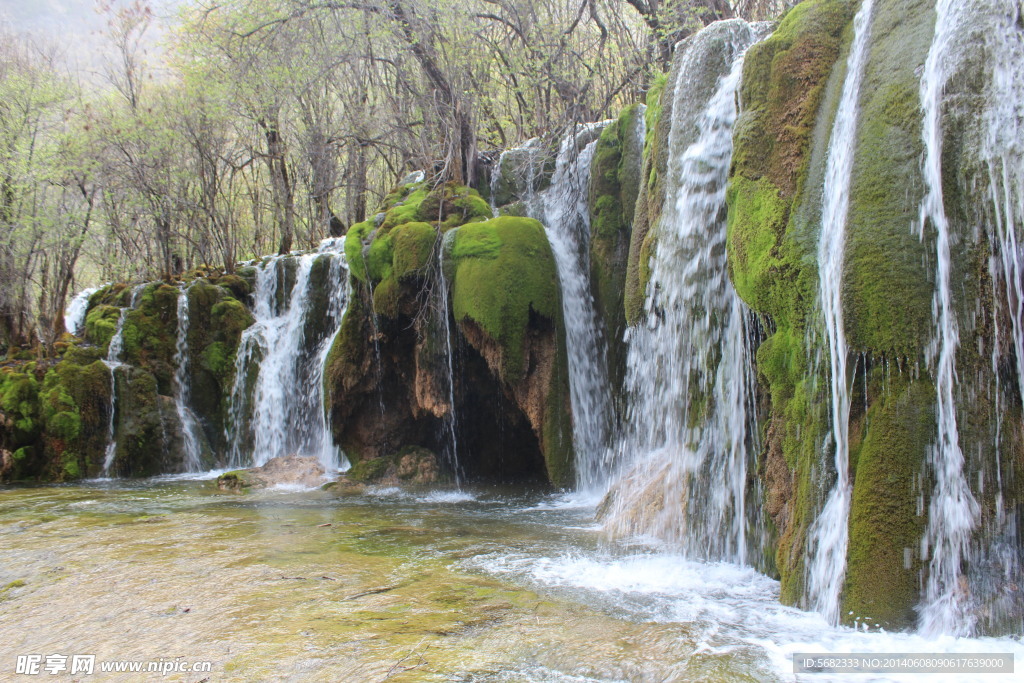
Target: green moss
653 112
237 286
788 87
413 245
885 529
379 257
230 318
355 241
651 196
614 187
150 333
888 282
369 470
100 324
387 298
504 272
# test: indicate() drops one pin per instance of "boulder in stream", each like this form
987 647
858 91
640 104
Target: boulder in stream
289 470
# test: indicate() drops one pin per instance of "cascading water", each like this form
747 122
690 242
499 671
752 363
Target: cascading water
690 423
829 535
565 215
282 354
190 430
444 313
953 510
74 314
115 350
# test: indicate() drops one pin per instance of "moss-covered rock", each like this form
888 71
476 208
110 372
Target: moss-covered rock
615 177
506 300
216 322
791 83
101 323
150 332
884 565
502 272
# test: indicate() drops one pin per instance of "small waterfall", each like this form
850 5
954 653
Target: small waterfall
953 510
690 430
564 212
190 431
279 411
74 314
444 313
829 535
525 169
115 350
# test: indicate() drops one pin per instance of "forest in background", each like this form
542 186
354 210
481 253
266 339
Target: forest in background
271 124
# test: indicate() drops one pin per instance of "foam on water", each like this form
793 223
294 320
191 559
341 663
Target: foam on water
724 606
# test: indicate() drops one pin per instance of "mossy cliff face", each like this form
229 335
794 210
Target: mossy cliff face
651 193
54 417
217 317
57 413
615 178
675 108
387 373
791 89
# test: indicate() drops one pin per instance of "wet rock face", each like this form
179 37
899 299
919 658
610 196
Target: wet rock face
289 470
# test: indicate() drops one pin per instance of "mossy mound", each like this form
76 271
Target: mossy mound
216 322
150 333
503 272
395 250
884 562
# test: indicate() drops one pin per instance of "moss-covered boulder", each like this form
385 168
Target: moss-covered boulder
397 375
506 301
615 179
150 332
411 465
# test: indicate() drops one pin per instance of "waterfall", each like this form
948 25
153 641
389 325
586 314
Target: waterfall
829 535
444 313
564 211
74 314
191 436
115 350
690 428
277 405
952 511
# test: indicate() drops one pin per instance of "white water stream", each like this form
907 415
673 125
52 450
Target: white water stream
828 537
